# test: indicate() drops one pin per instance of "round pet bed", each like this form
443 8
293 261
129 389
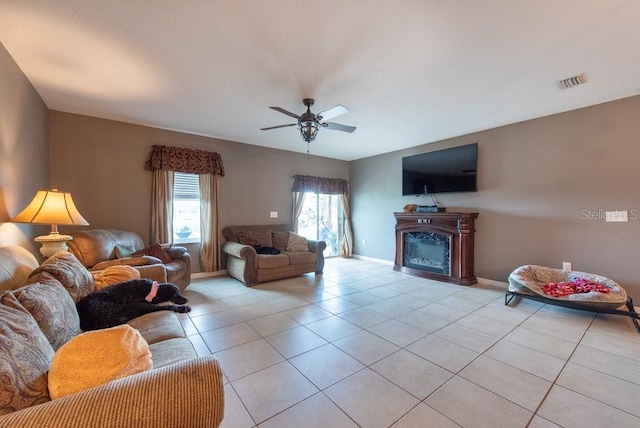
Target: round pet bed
530 279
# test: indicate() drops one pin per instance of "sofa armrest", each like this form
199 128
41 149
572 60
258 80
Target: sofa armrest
241 251
242 263
318 247
189 393
177 253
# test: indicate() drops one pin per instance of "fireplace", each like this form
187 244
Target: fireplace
429 251
436 245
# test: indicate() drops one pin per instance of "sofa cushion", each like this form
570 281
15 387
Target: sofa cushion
272 261
301 257
158 326
113 275
297 243
171 351
97 357
17 264
123 251
255 237
53 309
25 354
280 239
67 269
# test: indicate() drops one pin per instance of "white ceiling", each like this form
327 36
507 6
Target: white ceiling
411 72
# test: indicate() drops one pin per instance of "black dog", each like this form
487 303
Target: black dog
122 302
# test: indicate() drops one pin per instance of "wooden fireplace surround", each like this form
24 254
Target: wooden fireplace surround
459 227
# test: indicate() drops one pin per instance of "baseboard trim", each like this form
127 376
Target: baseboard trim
200 275
372 259
499 284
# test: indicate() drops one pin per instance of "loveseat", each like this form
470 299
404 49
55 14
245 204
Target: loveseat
38 323
98 249
296 256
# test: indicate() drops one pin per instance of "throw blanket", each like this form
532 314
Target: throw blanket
578 285
97 357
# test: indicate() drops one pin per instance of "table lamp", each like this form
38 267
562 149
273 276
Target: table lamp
54 208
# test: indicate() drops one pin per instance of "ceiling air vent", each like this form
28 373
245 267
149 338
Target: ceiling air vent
572 81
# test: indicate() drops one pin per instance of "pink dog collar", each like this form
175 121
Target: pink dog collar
152 292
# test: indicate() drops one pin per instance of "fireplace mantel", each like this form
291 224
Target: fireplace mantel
456 228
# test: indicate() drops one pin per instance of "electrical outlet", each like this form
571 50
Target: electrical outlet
567 266
273 214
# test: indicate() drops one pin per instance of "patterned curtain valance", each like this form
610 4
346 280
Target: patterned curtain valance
331 186
184 160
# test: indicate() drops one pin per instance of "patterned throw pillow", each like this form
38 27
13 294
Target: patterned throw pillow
297 243
280 240
53 309
25 355
253 237
68 270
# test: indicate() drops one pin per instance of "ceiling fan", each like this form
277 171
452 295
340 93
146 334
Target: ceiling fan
309 123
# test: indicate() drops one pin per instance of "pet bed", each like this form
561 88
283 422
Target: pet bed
531 281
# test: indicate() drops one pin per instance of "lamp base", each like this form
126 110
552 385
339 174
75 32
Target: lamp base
53 243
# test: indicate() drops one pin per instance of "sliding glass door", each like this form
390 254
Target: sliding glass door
320 220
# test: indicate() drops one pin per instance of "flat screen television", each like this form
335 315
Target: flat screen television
441 171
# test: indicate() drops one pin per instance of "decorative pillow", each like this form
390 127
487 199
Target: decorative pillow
25 354
254 237
297 243
67 269
280 240
155 250
81 364
114 275
123 251
53 309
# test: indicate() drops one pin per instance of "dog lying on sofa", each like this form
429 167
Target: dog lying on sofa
119 303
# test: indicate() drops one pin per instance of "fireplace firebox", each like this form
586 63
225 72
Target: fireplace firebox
436 245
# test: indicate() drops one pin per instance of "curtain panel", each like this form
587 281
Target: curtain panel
184 160
330 186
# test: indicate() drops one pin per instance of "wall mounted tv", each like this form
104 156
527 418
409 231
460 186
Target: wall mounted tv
442 171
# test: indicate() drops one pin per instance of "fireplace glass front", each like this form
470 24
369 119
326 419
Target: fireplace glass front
428 251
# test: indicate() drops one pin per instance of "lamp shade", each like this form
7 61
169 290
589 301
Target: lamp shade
51 207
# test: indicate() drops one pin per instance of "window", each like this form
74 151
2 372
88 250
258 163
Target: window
186 207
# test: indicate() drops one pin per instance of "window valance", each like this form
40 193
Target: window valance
181 159
331 186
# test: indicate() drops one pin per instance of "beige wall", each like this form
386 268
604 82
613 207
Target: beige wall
101 162
24 152
538 181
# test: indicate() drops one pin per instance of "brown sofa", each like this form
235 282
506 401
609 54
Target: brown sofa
98 249
38 317
249 267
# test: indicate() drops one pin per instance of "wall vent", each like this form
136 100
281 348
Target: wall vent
572 81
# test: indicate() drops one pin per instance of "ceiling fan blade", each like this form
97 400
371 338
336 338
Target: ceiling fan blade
288 113
279 126
333 112
339 127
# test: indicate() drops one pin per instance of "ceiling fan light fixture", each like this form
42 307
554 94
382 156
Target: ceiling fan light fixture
309 130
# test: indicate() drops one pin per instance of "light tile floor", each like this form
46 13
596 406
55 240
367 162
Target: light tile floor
365 346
